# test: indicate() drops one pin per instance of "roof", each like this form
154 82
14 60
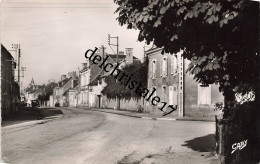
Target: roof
95 80
32 82
3 49
35 90
64 82
152 50
118 56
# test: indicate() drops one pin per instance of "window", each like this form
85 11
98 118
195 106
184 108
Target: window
173 64
163 66
204 94
86 79
81 80
154 69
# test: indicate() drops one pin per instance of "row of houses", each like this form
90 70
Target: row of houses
84 88
10 90
166 74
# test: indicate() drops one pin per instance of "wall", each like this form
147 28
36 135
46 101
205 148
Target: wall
192 107
130 105
191 89
7 80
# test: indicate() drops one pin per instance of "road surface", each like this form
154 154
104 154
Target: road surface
86 137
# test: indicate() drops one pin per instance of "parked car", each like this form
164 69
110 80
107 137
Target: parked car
35 103
23 104
57 104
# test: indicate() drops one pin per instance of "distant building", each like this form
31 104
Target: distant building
91 83
89 74
167 74
33 91
10 89
97 84
65 92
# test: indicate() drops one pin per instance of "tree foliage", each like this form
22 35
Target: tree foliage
220 38
138 71
48 90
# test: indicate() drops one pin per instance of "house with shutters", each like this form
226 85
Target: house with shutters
66 92
90 77
167 74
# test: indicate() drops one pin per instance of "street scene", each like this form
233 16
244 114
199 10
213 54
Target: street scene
85 136
130 82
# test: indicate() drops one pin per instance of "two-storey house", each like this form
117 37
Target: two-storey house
167 74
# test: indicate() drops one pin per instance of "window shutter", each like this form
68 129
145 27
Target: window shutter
155 67
174 64
166 67
151 68
161 67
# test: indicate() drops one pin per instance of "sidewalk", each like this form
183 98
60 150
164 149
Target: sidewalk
30 116
151 116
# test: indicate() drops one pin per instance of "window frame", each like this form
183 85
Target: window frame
164 67
173 64
154 65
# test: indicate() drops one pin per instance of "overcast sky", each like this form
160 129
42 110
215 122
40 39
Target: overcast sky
54 34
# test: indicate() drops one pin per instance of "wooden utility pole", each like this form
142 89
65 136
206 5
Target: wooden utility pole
117 45
19 56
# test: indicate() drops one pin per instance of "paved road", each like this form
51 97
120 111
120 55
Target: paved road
86 137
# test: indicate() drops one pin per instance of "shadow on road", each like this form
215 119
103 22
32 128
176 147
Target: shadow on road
202 144
25 114
48 112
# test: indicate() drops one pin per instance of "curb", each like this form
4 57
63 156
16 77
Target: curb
128 115
204 120
154 118
53 117
31 123
117 113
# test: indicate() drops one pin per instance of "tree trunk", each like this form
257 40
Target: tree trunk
229 98
117 103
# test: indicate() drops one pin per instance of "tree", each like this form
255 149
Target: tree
48 90
220 38
114 88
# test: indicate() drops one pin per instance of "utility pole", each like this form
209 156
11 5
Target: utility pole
16 48
20 69
117 45
19 55
103 54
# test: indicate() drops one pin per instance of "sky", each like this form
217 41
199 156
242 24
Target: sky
55 34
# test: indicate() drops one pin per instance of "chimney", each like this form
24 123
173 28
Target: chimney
129 51
121 53
63 77
84 65
129 55
73 83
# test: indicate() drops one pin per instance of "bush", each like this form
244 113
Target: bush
243 125
140 109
